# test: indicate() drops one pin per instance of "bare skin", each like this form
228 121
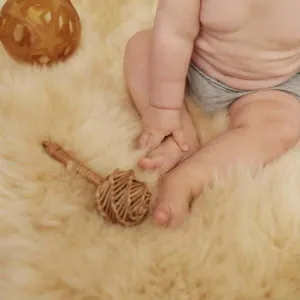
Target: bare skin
168 154
263 125
250 44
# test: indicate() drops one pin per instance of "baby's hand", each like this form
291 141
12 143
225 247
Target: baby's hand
157 124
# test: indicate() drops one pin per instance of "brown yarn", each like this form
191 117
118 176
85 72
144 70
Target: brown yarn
40 31
120 197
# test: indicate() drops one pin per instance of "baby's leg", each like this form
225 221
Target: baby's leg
136 68
263 126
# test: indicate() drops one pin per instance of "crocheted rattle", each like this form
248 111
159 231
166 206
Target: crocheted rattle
120 197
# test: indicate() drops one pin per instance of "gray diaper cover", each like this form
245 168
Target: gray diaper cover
212 95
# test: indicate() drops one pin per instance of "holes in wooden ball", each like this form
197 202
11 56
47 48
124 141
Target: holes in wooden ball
41 59
44 60
47 17
65 26
71 26
3 23
39 14
61 22
18 33
66 51
22 36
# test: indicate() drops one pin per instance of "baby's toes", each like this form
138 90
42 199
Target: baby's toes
171 210
149 163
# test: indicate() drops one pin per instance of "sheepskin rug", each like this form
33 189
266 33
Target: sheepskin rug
241 241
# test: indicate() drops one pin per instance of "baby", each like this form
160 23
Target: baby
243 56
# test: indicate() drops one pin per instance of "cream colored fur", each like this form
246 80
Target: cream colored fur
241 242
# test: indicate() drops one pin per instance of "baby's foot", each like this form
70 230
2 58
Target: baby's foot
176 190
166 156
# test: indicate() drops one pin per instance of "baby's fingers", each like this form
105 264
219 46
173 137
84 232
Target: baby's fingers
150 141
154 141
180 140
143 140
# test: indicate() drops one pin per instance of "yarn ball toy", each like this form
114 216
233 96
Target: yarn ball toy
39 32
119 197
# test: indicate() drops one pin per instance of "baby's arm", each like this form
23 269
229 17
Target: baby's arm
175 29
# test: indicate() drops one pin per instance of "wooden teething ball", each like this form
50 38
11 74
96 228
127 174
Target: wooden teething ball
120 197
40 31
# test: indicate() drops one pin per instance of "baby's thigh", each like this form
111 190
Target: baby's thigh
273 110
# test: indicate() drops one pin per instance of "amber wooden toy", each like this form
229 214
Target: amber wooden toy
39 31
120 197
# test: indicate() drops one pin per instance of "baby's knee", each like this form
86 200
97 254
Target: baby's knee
288 131
275 116
136 58
138 43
